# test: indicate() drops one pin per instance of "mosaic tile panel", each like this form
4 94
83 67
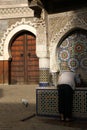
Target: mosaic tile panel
72 53
47 102
80 103
44 77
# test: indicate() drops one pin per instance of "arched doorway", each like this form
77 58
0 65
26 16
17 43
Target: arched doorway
24 66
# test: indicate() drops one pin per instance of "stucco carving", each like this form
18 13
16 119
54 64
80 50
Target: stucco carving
18 26
75 22
14 28
43 63
12 2
16 12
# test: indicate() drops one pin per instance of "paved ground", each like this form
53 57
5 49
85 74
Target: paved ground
15 116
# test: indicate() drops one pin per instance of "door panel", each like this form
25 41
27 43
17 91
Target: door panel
24 67
32 59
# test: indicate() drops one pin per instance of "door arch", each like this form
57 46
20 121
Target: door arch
24 65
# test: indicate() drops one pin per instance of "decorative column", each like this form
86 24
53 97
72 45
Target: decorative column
42 53
54 64
42 44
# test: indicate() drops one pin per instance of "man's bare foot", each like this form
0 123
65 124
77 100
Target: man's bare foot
68 119
61 117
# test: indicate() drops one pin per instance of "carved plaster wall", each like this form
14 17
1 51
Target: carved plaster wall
15 9
11 31
12 17
13 2
77 21
35 26
41 40
23 25
17 12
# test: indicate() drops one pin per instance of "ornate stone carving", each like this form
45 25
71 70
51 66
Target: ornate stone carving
16 12
12 3
31 26
22 22
44 63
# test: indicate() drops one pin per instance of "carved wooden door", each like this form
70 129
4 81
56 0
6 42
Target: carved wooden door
24 66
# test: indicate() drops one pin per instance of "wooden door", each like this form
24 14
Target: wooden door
24 66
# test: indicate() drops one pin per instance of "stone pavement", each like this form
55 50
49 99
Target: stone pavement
14 115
